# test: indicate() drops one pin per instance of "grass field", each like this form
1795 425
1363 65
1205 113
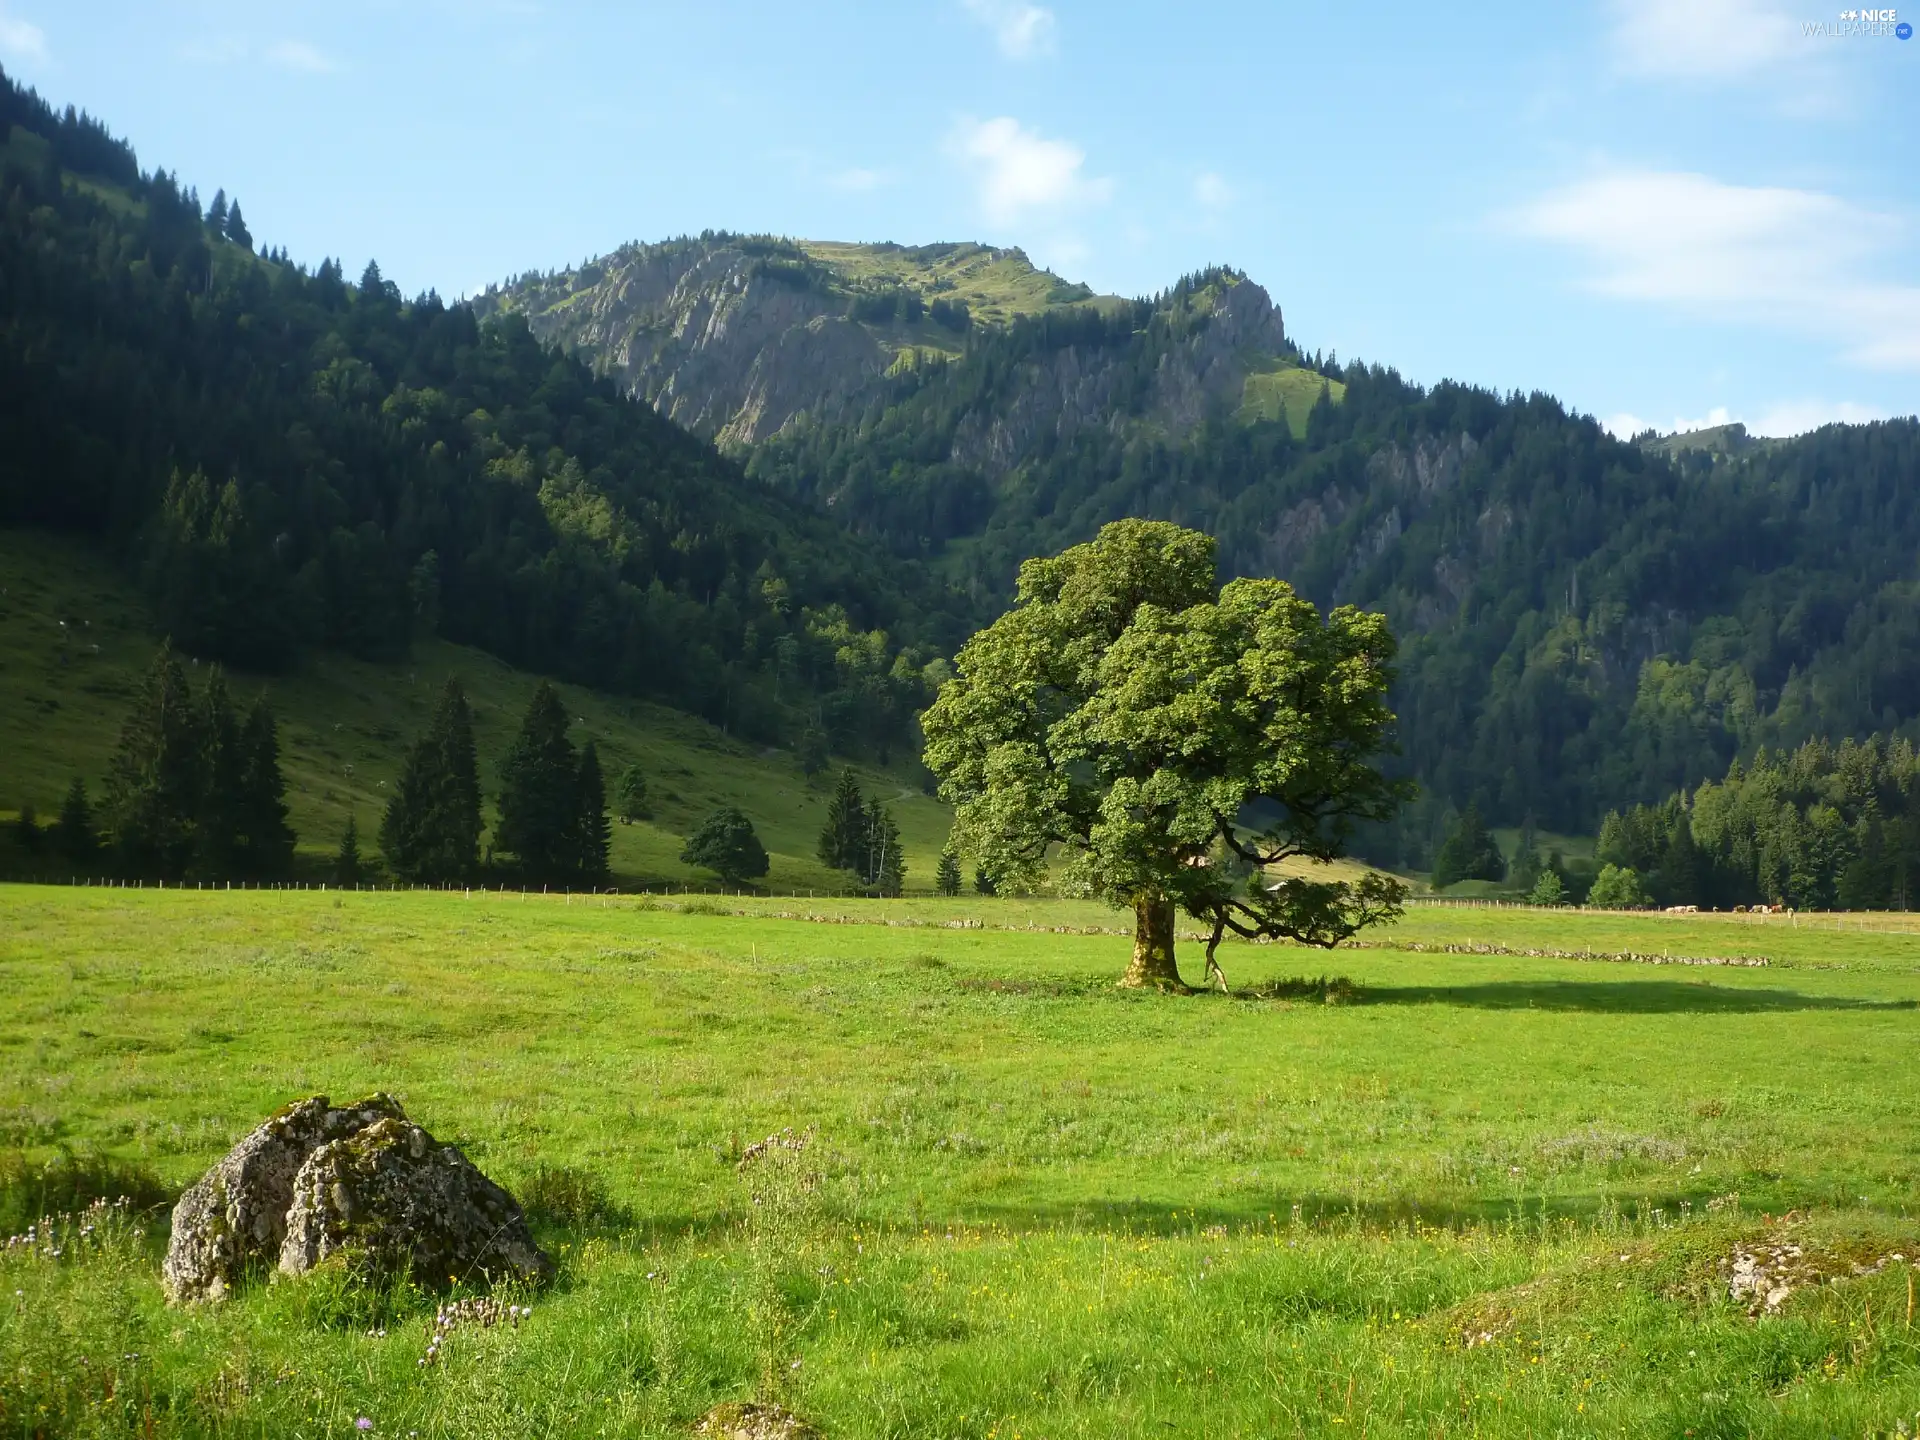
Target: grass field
1289 390
1487 1194
345 725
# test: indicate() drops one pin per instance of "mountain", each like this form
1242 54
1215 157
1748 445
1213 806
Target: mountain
737 336
1586 622
287 461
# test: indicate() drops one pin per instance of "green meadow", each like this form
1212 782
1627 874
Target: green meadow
1393 1190
75 639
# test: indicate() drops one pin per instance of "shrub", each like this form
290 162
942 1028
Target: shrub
1617 888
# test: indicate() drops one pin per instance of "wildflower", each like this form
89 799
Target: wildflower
363 1423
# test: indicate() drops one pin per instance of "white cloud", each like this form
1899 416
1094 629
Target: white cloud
22 40
1023 31
1211 191
299 55
1797 260
1020 173
1697 40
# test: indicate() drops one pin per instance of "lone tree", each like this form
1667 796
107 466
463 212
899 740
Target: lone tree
631 795
725 844
1172 738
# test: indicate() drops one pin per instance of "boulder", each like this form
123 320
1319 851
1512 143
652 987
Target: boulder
236 1215
394 1199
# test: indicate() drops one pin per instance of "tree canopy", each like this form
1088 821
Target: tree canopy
1174 740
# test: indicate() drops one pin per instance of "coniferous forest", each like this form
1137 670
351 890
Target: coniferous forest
290 458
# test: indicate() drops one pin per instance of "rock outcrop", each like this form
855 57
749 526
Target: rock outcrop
235 1217
318 1179
395 1199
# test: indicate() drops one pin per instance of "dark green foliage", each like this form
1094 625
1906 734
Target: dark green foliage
946 879
631 796
153 790
983 881
290 461
74 838
347 865
812 751
1468 853
726 844
883 865
431 830
193 790
27 830
843 838
1815 828
593 832
539 793
1584 622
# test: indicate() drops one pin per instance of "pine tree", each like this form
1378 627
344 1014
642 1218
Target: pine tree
237 228
983 881
74 839
843 839
631 804
431 830
217 844
1468 853
947 879
265 840
217 213
812 751
153 781
347 864
26 827
594 836
539 793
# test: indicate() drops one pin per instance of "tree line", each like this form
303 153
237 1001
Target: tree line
194 791
1816 827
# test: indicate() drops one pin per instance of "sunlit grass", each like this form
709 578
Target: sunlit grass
1046 1207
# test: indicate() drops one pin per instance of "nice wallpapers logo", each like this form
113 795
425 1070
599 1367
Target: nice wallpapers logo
1860 25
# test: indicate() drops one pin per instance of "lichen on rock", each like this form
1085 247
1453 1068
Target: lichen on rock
359 1180
236 1215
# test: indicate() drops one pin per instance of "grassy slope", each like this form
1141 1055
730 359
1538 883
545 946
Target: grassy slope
1283 388
345 725
1048 1208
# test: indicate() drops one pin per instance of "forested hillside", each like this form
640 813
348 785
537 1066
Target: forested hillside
1585 622
290 459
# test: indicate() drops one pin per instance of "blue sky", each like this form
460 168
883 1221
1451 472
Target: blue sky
1664 213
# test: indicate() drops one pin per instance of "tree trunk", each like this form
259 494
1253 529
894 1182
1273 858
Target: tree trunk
1153 966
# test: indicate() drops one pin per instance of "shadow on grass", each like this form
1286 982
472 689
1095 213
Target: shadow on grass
1603 997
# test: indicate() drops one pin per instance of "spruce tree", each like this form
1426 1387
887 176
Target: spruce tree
217 213
594 836
265 840
632 795
431 830
539 793
947 878
347 864
217 844
74 839
812 751
1468 853
153 781
237 228
843 839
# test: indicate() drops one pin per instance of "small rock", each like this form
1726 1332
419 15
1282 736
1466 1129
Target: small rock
392 1197
752 1421
236 1215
